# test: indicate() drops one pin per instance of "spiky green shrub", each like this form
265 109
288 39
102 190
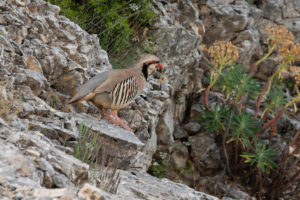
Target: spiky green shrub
262 156
243 128
274 101
214 119
238 83
87 147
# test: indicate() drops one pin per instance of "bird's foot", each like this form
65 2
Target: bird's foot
117 120
120 122
123 125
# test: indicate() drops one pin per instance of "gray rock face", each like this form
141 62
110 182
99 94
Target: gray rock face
205 151
35 80
120 144
139 185
179 155
16 168
35 164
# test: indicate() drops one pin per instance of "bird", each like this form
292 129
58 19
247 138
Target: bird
116 89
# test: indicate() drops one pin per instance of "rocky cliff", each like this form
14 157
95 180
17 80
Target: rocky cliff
45 56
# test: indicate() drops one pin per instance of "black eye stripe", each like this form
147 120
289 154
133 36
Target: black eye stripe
154 62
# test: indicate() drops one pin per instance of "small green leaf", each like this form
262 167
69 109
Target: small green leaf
263 156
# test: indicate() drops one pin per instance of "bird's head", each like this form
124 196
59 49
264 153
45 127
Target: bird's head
148 64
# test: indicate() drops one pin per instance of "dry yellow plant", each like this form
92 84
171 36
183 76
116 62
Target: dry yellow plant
278 35
295 71
289 52
223 53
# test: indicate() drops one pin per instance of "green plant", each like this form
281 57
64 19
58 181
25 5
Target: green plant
241 132
239 83
275 119
116 22
243 129
283 40
21 98
214 119
54 101
263 157
222 54
86 148
251 2
275 100
157 170
177 100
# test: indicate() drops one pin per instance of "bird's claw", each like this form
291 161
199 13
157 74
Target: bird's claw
117 121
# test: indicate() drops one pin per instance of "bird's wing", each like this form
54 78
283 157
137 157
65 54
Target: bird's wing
115 77
87 90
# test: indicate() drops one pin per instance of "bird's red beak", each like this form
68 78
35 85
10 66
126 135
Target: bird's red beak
160 65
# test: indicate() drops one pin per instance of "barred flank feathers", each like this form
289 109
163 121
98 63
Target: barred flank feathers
124 92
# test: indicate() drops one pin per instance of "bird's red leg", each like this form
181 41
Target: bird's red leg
109 117
121 123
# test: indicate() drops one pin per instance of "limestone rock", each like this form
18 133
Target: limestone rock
179 155
67 82
44 165
179 43
234 191
60 180
36 81
61 193
123 145
20 78
205 151
16 169
228 21
272 10
139 185
180 132
33 64
48 131
27 109
165 127
293 24
192 127
89 192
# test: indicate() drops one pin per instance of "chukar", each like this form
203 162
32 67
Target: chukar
116 89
